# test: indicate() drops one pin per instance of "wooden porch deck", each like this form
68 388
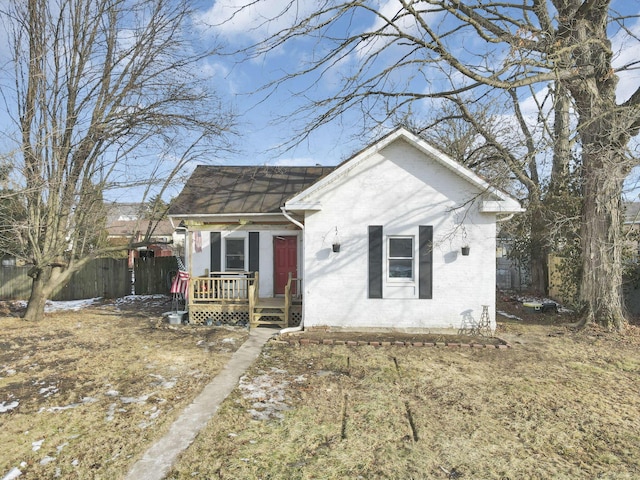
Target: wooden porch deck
229 298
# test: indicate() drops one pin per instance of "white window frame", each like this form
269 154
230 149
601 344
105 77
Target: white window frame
226 254
389 258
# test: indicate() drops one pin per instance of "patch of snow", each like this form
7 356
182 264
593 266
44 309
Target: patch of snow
269 392
166 384
152 300
35 446
112 393
140 399
60 447
89 400
9 406
110 412
75 462
57 306
508 315
48 391
13 474
59 409
46 460
229 340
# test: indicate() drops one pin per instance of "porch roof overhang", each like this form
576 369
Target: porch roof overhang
195 220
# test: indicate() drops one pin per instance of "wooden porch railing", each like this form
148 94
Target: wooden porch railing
296 289
254 294
221 287
223 296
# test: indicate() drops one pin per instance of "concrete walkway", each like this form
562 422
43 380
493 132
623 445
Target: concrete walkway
157 461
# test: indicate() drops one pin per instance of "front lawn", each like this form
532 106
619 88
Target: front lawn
558 404
84 393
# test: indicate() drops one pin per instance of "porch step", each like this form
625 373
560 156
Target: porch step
269 311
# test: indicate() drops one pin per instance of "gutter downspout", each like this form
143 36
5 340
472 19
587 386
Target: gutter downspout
288 216
504 219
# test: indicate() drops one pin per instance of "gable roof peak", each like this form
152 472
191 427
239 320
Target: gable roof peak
505 203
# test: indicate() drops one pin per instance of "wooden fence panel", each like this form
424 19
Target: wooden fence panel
103 277
153 275
15 284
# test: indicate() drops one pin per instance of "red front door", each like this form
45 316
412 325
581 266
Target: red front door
285 254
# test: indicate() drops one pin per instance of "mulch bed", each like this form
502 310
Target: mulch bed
384 339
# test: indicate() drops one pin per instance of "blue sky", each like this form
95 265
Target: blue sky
237 80
338 140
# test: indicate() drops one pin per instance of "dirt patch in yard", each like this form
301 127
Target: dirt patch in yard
84 393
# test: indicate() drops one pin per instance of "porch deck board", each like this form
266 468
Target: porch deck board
270 302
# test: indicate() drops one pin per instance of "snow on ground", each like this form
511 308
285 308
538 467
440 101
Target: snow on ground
57 306
507 315
268 391
5 407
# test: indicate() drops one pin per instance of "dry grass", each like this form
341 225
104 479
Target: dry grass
96 387
559 404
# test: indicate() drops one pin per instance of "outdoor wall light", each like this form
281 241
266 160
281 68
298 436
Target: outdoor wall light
465 251
336 247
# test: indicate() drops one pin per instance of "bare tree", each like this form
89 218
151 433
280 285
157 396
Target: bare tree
478 51
103 94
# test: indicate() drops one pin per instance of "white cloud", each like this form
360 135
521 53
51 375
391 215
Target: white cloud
625 48
254 19
392 10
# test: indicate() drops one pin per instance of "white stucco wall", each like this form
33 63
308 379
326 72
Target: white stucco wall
400 189
201 260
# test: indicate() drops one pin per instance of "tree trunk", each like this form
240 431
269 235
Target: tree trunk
603 128
601 286
39 293
538 238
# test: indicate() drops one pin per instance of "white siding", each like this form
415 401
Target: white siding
400 189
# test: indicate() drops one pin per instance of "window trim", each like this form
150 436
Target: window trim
226 254
389 258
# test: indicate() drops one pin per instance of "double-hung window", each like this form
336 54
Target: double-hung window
400 257
234 256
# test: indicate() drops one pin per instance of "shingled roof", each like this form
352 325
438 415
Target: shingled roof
214 190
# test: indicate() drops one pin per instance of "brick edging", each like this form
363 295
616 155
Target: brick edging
359 343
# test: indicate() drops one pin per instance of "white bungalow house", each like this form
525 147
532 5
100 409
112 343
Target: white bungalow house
399 236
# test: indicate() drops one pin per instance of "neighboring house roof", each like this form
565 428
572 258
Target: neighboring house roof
494 200
221 190
127 219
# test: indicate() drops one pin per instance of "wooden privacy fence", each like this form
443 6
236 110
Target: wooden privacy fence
103 277
15 284
154 275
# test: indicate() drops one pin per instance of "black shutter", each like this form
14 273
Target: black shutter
425 263
375 261
216 252
254 251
